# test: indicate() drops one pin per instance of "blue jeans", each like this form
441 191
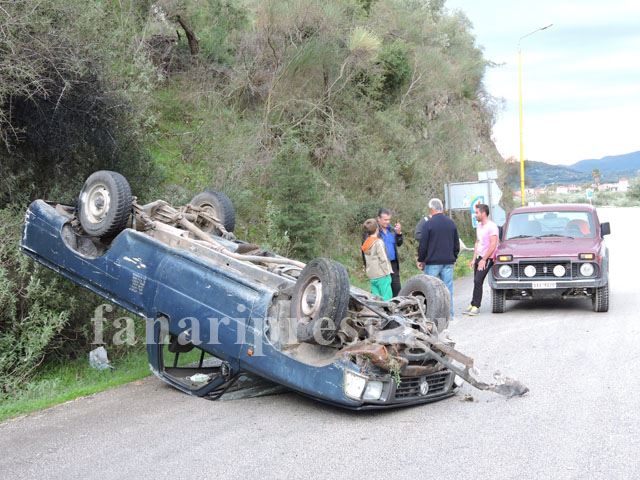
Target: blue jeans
444 273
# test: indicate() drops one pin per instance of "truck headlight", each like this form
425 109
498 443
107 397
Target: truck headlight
530 271
505 271
586 269
373 390
354 384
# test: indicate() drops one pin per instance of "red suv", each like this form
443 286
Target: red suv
552 251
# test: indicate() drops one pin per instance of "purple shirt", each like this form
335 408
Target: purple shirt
484 234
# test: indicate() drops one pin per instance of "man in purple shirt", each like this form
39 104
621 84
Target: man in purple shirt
483 255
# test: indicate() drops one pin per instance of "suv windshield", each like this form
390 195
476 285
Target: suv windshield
551 224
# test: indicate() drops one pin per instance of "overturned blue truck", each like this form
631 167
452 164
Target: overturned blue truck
246 310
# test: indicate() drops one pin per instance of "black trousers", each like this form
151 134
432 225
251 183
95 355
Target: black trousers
478 281
395 277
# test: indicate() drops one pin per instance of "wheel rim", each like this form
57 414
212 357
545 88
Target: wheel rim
311 298
97 202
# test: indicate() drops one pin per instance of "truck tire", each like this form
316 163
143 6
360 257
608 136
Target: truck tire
219 206
320 300
498 299
104 204
600 299
435 295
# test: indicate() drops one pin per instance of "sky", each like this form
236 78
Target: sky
580 77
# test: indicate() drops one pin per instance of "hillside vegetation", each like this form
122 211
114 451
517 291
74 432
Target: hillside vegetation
308 114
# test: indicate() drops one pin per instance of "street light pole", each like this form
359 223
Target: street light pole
520 108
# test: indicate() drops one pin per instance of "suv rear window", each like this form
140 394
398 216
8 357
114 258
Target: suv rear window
541 224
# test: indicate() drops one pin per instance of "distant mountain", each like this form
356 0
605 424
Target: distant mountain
627 164
540 174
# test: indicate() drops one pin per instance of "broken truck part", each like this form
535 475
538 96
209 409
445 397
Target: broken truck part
243 310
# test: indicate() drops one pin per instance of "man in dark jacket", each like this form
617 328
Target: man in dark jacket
392 238
439 246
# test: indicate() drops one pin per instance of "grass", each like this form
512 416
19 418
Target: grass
59 383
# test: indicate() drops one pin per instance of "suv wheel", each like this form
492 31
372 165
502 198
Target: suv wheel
498 298
600 299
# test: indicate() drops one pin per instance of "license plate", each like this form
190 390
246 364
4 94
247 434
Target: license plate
541 285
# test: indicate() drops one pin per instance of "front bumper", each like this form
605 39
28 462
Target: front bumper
514 284
407 393
396 404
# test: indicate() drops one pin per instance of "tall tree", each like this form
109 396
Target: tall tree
297 197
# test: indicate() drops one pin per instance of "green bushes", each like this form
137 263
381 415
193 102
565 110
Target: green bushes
33 309
396 69
633 194
217 22
71 102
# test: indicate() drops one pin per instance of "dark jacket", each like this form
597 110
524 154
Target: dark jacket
439 241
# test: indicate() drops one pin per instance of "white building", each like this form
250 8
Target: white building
621 186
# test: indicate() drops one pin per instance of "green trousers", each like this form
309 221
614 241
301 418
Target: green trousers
382 287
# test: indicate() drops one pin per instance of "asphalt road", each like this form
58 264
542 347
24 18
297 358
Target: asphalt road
581 418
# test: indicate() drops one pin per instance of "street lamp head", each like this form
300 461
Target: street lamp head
531 33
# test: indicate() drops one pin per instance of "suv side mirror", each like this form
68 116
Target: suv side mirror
605 229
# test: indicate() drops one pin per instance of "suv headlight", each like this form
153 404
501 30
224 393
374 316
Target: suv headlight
505 271
354 384
586 269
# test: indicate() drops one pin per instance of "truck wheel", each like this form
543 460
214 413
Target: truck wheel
600 299
218 205
498 298
105 203
434 295
320 300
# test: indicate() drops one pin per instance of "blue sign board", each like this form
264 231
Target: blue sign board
472 208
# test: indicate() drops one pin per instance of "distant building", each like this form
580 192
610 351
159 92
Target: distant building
566 189
621 186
